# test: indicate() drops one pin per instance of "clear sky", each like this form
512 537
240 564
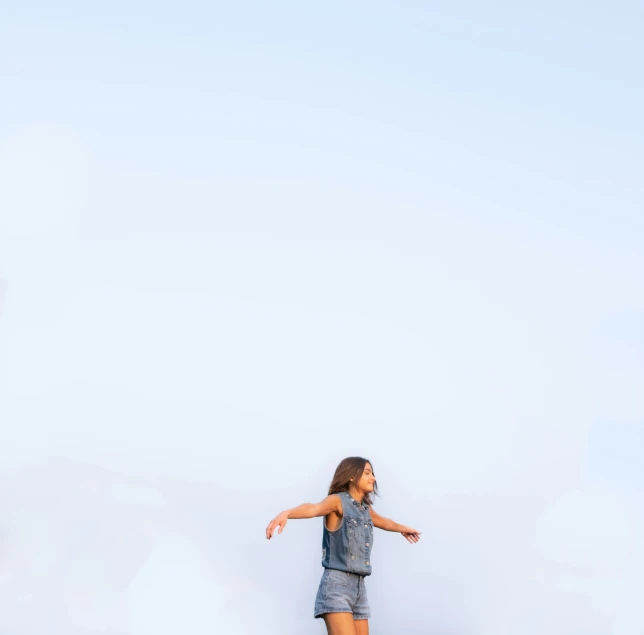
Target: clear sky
240 241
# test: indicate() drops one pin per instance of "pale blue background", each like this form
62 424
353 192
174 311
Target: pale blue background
241 241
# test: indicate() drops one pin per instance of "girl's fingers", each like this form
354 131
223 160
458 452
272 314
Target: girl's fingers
412 537
270 530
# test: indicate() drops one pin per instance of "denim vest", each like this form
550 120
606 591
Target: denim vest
348 548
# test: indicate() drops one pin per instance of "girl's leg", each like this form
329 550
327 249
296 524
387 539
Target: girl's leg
339 623
362 627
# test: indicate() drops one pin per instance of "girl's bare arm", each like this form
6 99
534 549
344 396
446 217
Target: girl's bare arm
305 510
412 535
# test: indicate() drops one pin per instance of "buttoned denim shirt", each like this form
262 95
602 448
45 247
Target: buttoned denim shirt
348 548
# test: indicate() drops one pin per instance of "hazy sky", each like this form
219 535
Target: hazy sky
241 241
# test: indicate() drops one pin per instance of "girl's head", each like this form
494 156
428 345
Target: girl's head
355 472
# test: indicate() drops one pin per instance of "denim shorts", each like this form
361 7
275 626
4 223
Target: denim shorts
342 592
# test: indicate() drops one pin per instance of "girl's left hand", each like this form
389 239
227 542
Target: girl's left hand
412 535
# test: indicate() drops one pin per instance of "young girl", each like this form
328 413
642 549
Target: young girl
346 545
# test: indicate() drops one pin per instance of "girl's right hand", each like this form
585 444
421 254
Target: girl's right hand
278 521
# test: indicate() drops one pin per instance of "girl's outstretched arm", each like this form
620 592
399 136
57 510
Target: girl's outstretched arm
412 535
330 504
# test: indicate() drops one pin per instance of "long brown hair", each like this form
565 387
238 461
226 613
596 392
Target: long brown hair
351 468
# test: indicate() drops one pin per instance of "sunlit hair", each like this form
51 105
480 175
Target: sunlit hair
351 468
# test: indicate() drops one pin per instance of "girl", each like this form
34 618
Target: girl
346 545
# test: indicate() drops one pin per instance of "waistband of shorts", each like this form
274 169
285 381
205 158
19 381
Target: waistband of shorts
349 573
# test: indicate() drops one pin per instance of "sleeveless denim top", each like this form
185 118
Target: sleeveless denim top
348 548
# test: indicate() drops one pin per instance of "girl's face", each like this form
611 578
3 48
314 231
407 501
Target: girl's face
367 480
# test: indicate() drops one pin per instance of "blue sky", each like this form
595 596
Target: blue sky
614 458
458 185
